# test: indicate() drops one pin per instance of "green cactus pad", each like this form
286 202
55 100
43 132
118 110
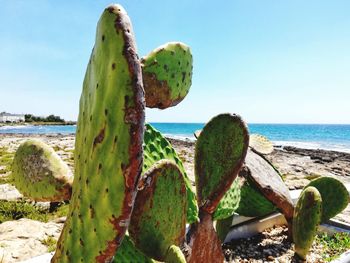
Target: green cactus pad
156 148
108 147
223 227
335 196
260 144
159 217
252 202
269 182
127 252
307 217
230 201
40 174
167 75
175 255
220 152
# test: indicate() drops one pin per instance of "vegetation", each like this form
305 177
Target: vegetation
51 243
14 210
334 245
50 118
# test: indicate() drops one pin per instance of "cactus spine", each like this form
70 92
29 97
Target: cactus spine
108 149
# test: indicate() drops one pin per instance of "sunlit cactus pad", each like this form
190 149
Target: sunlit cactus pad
260 144
40 174
220 152
335 196
159 217
156 148
108 146
307 217
167 75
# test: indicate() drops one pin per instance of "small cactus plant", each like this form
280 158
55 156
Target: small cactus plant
335 196
307 217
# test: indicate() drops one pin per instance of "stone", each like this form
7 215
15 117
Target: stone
9 192
23 239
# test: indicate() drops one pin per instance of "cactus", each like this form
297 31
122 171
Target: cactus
108 148
39 173
223 227
229 202
252 202
220 152
307 217
127 252
167 75
156 148
159 217
260 144
335 196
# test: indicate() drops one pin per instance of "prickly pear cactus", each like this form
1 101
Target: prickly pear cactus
159 217
223 227
175 255
220 152
156 148
260 144
40 174
167 75
229 202
127 252
252 202
307 217
335 196
108 148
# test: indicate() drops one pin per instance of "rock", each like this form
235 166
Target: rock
9 192
23 239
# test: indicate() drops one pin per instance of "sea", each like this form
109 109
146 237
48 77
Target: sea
309 136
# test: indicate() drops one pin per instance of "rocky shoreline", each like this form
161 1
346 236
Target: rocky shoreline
297 167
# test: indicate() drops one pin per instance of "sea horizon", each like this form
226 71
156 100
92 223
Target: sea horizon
334 137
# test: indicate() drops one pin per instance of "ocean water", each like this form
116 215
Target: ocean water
310 136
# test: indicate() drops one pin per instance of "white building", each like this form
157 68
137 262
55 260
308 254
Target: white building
8 117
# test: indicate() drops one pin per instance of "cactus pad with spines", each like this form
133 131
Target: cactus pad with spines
335 196
229 202
260 144
219 155
167 75
175 255
108 147
252 202
307 217
127 252
159 216
156 148
40 174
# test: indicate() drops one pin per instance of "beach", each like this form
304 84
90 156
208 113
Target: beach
297 167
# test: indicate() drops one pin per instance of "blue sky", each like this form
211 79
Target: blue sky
269 61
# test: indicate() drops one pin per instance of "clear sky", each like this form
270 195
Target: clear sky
270 61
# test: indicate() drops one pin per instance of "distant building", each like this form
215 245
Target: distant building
8 117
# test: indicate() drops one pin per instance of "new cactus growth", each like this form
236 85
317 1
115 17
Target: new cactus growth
39 173
220 152
335 196
167 75
159 217
156 148
108 148
307 217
